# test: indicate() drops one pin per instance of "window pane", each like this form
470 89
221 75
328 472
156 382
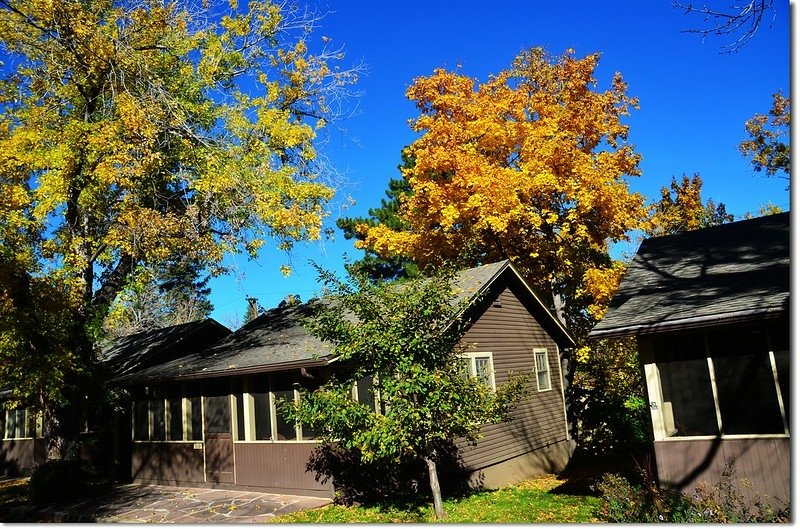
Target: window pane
196 414
262 416
366 393
157 412
483 370
240 434
30 423
11 425
285 429
747 399
140 429
542 370
175 419
2 423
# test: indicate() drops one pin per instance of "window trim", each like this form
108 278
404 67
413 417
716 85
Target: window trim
23 427
537 351
472 366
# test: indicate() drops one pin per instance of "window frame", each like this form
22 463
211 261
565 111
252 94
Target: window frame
538 351
472 366
187 431
23 427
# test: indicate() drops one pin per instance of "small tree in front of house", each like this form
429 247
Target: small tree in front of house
407 337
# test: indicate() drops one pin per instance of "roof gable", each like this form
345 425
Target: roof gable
726 273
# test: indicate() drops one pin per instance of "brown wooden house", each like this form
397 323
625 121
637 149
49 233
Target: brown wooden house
710 311
209 418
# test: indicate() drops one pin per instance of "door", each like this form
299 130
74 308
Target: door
217 433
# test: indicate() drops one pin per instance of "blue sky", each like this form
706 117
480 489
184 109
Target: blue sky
694 102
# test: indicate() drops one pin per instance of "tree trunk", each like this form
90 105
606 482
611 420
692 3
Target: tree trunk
433 476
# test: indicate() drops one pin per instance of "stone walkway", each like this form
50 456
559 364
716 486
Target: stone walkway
158 504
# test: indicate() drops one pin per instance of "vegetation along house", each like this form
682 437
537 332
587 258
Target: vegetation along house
710 310
209 418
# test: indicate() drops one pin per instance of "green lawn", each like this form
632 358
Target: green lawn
527 502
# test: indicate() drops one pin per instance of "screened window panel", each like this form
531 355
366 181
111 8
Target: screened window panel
196 415
3 414
366 392
30 423
263 416
140 421
688 399
11 424
157 412
175 405
217 406
748 401
782 365
285 429
240 432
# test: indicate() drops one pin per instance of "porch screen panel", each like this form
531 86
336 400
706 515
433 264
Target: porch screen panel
779 337
2 423
259 389
688 399
140 424
175 407
748 401
196 415
157 411
366 392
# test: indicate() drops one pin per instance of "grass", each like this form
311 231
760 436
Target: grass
14 492
531 501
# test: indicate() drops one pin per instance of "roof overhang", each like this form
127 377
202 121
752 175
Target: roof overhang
687 323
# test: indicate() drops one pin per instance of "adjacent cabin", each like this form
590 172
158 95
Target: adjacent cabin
208 418
104 437
710 311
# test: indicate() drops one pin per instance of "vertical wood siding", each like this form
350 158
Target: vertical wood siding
19 456
511 333
167 462
276 465
764 462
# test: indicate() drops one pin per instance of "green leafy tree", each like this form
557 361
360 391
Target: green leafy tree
134 133
407 337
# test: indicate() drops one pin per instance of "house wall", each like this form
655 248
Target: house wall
279 467
19 456
536 441
169 463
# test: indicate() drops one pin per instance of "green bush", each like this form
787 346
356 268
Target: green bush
61 481
624 502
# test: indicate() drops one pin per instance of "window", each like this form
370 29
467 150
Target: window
728 381
542 369
257 415
166 414
480 366
18 424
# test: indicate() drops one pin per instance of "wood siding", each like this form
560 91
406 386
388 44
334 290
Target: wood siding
510 332
279 466
19 456
763 461
167 462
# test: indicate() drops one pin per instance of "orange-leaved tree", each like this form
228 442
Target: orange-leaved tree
531 165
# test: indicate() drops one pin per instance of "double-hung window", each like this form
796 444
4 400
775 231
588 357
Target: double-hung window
480 366
542 369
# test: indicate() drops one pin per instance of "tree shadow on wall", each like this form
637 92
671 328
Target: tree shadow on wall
389 484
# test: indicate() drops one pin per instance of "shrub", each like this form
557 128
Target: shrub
624 502
60 481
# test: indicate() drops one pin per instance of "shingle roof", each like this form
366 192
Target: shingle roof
133 351
278 340
726 273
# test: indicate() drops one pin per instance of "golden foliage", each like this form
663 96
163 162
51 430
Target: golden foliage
530 165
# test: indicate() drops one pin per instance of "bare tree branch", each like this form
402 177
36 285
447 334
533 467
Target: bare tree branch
739 21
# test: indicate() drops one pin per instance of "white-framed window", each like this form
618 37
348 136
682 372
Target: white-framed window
542 369
481 366
21 423
257 417
170 414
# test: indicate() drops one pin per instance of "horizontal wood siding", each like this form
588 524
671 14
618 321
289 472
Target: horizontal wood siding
167 462
509 331
276 465
764 462
19 456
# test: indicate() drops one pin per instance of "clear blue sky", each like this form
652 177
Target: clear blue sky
694 102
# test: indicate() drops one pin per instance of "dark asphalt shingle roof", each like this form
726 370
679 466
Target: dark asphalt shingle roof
277 339
726 273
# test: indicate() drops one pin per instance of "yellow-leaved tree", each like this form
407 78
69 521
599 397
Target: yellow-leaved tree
531 165
135 133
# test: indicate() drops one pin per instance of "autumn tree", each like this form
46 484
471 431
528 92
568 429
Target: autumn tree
406 336
134 132
768 144
532 165
681 209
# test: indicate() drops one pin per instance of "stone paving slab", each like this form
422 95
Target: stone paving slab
161 504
